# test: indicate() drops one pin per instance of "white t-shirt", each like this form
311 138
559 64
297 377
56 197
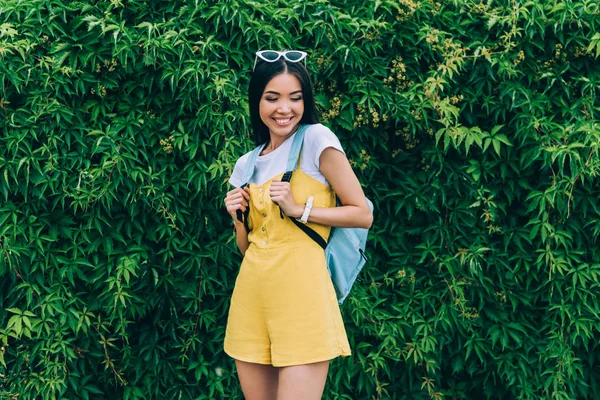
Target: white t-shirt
316 139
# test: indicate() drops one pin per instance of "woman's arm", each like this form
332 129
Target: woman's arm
241 237
355 212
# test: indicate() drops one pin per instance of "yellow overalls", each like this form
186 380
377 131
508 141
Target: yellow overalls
284 309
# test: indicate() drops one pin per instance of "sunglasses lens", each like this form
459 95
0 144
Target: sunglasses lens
270 55
294 56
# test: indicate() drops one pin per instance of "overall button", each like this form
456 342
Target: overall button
263 228
265 242
260 190
264 214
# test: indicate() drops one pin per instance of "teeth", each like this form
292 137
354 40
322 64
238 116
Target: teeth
283 121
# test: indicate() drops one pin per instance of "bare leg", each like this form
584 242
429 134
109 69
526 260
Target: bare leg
302 382
259 382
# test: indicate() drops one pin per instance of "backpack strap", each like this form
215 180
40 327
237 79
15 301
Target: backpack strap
311 233
251 164
293 163
294 157
248 172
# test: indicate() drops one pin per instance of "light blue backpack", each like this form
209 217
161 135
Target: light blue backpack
345 250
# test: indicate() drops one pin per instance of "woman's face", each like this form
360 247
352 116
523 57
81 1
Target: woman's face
281 105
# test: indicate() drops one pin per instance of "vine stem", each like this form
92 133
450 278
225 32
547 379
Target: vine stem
4 253
199 310
108 360
112 169
587 163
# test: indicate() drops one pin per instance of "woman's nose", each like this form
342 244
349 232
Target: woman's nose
284 107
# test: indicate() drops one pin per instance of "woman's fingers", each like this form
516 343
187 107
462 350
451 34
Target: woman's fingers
279 190
245 193
233 202
232 210
233 192
279 196
279 184
237 194
236 207
237 199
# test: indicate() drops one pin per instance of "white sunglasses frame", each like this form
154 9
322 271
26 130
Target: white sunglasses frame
281 54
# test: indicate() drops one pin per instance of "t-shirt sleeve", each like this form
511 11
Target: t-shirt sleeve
318 138
238 171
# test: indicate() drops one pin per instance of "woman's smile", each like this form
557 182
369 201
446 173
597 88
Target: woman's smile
283 121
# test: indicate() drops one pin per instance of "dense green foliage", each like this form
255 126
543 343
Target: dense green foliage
472 125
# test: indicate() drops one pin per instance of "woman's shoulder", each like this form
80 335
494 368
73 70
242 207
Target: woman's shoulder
315 131
319 137
243 160
239 169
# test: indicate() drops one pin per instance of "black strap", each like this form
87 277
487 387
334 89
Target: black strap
287 177
311 233
243 216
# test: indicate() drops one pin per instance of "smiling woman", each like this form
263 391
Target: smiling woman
281 108
276 84
284 320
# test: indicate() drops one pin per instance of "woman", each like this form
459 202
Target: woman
284 321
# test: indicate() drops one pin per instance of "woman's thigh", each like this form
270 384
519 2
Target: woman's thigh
259 381
304 382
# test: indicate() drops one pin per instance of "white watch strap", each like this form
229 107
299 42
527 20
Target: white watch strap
307 208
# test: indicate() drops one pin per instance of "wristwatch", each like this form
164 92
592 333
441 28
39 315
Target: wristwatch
307 208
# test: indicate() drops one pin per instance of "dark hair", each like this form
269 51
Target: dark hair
262 75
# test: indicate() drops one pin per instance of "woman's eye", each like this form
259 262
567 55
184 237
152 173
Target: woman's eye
274 99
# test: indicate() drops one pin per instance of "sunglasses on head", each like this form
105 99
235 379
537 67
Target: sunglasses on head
273 55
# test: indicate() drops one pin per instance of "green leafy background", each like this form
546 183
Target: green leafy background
473 127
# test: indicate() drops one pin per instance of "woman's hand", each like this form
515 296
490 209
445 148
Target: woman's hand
281 194
237 199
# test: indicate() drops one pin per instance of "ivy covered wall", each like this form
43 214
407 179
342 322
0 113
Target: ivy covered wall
473 127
